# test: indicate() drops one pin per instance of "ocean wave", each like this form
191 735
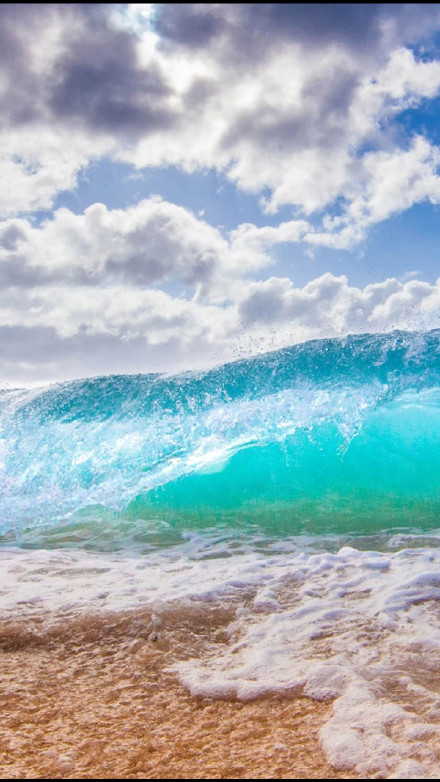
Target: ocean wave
328 435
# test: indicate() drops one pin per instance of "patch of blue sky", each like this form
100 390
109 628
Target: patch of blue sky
423 121
405 243
207 193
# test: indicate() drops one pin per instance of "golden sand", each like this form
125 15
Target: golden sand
89 697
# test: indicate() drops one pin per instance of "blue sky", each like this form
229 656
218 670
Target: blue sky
185 184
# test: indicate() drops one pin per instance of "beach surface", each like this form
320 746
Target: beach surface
90 697
240 665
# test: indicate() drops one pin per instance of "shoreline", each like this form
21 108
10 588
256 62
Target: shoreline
88 696
286 666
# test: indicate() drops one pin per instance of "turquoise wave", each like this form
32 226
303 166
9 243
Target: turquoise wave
330 435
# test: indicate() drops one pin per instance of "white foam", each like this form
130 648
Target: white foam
359 628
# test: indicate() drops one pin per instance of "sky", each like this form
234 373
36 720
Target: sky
184 185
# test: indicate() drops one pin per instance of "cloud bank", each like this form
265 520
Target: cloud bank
79 294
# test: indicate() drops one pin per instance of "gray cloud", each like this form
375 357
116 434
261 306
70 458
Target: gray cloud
190 24
39 354
317 122
17 271
99 82
95 80
145 244
258 90
283 99
11 235
95 77
259 25
123 331
20 26
250 29
140 246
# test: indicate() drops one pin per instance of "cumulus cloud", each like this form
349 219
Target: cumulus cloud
122 312
72 62
71 88
142 245
329 306
394 181
245 28
60 332
37 164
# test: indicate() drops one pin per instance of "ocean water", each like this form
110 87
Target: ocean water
299 489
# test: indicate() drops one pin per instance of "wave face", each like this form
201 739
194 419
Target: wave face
328 436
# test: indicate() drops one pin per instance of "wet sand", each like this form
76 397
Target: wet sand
89 696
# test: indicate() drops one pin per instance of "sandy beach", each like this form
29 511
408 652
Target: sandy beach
89 697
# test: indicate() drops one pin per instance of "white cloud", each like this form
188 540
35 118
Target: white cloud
39 162
122 312
328 307
309 128
393 181
142 245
